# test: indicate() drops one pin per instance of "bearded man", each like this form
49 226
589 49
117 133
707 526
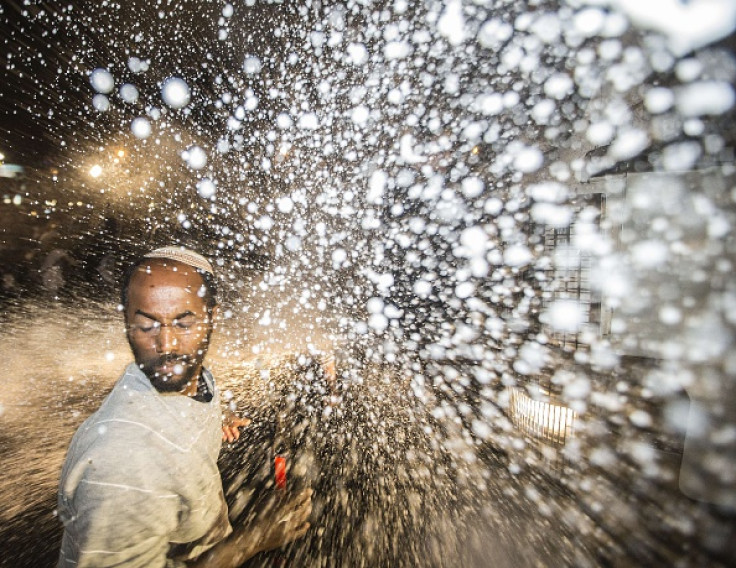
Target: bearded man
140 485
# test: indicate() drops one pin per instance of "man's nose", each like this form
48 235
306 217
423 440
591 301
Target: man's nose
166 341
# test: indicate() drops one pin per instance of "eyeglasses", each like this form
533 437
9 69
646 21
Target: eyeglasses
181 327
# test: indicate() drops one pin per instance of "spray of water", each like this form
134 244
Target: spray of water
508 224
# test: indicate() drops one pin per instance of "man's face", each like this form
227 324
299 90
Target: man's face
168 324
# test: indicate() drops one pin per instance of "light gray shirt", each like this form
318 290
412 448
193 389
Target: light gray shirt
140 485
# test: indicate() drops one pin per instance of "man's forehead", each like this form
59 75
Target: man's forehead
167 273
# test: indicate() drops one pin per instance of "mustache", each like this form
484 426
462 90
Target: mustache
171 360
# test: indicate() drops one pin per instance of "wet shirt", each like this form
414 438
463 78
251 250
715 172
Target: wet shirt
140 485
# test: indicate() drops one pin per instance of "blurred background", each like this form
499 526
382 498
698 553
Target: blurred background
475 260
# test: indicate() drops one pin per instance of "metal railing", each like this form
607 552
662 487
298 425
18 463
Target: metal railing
552 423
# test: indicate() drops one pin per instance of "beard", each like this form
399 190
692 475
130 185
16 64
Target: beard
170 373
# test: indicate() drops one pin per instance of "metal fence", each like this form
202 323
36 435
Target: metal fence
552 423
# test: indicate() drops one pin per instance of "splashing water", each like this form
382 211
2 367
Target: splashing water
475 260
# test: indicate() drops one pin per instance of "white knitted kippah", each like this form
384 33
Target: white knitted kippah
183 255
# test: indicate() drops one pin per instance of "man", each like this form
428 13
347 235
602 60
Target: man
140 485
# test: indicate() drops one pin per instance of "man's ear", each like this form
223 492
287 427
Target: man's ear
215 312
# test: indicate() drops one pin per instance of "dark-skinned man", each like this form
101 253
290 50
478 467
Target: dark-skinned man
140 485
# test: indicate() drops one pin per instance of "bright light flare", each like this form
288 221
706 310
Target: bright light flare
95 171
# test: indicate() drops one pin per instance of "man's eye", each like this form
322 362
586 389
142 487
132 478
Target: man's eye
185 323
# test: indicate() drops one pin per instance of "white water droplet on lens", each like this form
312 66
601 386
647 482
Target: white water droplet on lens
589 22
251 103
528 160
640 418
360 115
517 255
375 305
376 187
481 429
670 315
547 27
681 156
129 93
285 204
494 33
687 25
141 127
175 93
649 253
493 206
705 98
659 99
490 104
629 143
472 186
195 157
422 288
378 322
206 188
531 359
392 312
396 50
102 81
564 315
357 53
308 121
137 65
134 64
178 369
265 223
451 24
543 110
101 103
339 256
252 65
558 86
283 121
600 133
464 290
557 216
550 191
293 243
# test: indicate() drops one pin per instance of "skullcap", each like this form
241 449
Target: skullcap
183 255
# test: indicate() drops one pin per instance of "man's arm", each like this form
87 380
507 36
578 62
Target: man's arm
279 522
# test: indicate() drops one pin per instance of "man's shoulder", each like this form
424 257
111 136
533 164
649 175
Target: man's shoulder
134 417
121 421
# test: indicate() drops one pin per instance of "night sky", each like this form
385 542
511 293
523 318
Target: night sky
49 49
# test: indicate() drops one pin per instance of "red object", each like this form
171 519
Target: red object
279 464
